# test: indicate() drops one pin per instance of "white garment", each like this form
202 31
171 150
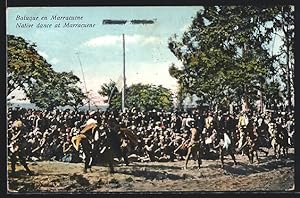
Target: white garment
91 121
227 141
246 120
96 136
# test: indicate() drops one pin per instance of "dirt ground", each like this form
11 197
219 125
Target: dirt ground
52 176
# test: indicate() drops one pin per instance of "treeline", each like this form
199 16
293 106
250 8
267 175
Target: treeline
228 56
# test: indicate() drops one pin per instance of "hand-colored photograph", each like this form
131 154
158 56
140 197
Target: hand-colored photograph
150 99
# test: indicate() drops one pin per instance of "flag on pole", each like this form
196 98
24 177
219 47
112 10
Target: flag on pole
119 83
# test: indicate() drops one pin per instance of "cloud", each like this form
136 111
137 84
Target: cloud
110 40
152 39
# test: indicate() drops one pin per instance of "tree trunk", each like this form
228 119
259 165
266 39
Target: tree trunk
245 102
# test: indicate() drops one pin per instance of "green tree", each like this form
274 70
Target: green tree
60 90
30 72
144 97
285 24
24 65
273 94
225 53
108 90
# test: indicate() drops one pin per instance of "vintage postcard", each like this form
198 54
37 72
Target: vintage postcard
150 99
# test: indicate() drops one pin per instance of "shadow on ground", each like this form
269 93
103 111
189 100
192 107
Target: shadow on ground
264 166
151 175
158 166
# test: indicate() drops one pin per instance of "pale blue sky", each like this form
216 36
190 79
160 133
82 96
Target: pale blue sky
147 55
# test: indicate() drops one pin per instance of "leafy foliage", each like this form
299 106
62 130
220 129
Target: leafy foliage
24 65
60 90
109 90
42 85
273 94
285 23
144 97
225 53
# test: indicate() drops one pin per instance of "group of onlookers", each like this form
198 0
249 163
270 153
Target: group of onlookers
162 135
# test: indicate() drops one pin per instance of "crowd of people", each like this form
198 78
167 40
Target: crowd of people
161 136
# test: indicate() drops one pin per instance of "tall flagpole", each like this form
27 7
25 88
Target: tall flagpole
124 80
118 22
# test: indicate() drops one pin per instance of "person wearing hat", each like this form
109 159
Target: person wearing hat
194 144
